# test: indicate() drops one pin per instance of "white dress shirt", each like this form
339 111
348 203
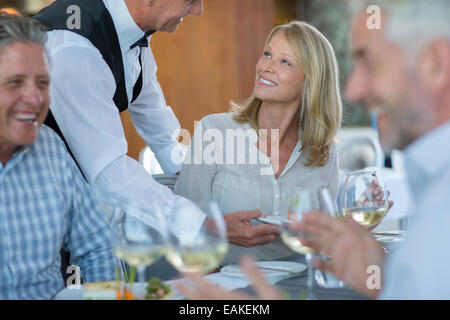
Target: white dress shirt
247 185
420 267
82 93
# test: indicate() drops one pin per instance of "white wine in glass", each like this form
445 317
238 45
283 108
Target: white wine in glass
291 239
201 251
364 198
196 259
139 241
366 216
300 202
140 256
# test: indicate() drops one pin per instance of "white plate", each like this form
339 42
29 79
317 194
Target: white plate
390 236
391 233
390 239
276 220
235 270
139 292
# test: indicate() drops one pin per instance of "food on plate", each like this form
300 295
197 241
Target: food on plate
154 289
157 289
103 290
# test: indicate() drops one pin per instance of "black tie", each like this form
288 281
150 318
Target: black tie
138 85
143 42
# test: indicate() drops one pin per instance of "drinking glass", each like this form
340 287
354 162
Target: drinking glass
300 202
139 239
364 198
325 279
194 247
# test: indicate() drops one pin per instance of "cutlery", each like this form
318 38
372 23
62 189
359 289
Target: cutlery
281 270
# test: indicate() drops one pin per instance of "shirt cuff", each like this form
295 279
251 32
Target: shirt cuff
171 158
187 221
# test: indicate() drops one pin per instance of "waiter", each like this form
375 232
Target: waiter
100 68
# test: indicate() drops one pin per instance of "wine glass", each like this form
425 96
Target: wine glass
139 239
197 249
364 198
300 202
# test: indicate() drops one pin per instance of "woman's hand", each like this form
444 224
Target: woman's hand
242 233
378 194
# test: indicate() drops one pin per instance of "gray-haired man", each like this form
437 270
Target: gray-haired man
402 71
45 204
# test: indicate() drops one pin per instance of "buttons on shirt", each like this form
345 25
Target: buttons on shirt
276 192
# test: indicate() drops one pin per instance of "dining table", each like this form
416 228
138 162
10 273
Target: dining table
290 276
295 287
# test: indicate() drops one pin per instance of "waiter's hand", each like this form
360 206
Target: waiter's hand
242 233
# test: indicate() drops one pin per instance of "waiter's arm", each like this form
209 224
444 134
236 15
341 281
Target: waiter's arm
82 103
154 120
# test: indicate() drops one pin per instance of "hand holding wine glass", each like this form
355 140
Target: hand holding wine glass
301 202
365 198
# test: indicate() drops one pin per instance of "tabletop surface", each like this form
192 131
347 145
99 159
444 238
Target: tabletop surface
296 287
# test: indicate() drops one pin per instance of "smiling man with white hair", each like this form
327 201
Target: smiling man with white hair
402 72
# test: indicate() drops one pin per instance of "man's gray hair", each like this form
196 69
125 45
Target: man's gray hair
17 29
413 24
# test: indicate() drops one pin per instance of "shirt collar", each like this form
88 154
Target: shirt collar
295 155
427 156
16 158
127 30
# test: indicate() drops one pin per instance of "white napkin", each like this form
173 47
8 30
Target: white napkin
226 282
230 283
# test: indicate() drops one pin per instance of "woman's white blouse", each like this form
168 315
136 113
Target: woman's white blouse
239 177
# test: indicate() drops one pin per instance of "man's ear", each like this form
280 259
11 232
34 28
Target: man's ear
435 66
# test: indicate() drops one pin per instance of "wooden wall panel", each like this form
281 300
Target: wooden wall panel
254 20
209 60
196 64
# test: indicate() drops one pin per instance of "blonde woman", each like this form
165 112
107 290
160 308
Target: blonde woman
289 123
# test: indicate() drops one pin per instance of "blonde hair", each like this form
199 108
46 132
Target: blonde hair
321 108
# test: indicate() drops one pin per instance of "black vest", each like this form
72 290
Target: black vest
98 27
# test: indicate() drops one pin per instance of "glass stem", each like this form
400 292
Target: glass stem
140 274
310 279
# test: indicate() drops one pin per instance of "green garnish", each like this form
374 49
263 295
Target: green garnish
156 288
